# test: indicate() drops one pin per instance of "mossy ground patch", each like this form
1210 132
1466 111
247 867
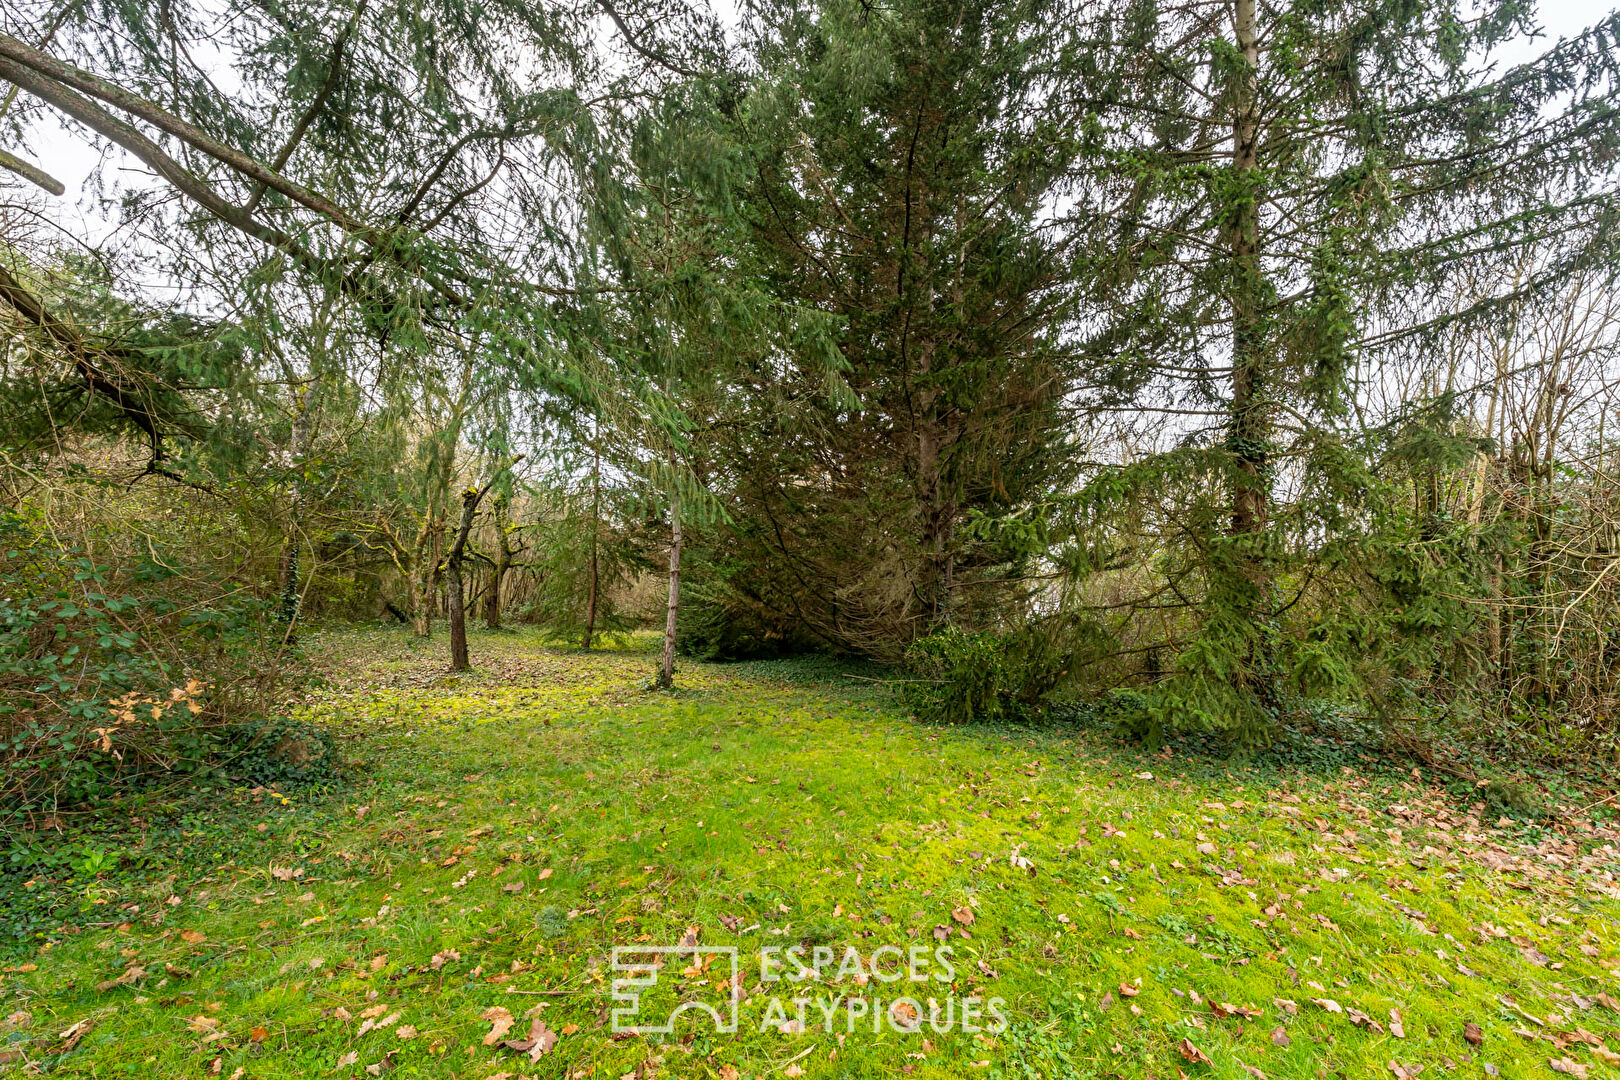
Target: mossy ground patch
499 832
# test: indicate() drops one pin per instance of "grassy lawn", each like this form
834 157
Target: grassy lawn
497 834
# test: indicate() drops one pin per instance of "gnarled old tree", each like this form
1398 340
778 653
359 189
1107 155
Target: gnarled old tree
455 596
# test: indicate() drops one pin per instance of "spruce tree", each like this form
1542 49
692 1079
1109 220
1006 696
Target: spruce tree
905 161
1287 189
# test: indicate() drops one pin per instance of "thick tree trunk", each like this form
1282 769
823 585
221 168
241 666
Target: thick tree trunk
1249 424
666 670
1249 432
456 614
935 436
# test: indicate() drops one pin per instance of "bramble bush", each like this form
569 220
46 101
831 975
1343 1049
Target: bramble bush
119 674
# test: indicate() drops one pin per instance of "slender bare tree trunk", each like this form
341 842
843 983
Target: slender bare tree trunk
455 600
501 564
287 580
1476 515
666 671
596 534
287 571
424 564
1482 460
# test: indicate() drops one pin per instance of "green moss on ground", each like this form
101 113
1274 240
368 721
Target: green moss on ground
499 832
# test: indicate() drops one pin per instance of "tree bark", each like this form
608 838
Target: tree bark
501 564
596 534
1249 433
1249 427
455 599
424 563
666 671
288 591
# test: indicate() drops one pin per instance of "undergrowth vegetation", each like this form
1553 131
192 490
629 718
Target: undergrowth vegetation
124 663
1124 491
498 832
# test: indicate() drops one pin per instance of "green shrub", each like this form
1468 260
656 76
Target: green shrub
1514 799
274 749
115 676
718 624
957 676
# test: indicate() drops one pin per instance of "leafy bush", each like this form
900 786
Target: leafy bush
1514 799
114 676
958 676
274 749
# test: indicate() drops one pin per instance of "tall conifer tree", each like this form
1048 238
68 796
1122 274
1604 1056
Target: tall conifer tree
1292 186
906 161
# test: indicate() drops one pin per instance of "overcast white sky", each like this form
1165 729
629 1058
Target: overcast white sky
70 159
1561 18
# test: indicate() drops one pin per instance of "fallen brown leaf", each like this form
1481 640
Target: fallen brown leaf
541 1039
70 1038
500 1021
1193 1054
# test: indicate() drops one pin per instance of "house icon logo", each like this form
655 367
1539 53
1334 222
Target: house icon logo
637 968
